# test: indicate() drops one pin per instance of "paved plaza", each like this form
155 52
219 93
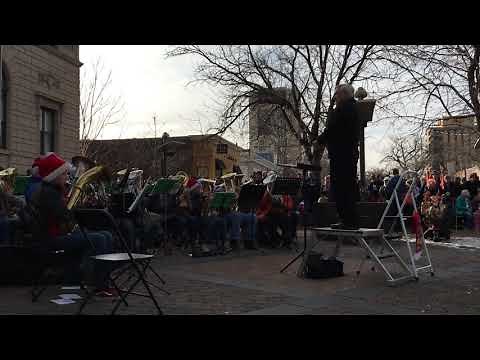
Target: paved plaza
250 283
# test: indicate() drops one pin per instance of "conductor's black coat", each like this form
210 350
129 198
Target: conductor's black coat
342 132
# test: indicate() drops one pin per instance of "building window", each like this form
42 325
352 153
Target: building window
202 172
47 130
222 148
3 111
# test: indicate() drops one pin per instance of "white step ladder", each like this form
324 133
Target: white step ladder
369 240
414 259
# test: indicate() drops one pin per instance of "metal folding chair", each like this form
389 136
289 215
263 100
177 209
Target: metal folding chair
136 264
49 263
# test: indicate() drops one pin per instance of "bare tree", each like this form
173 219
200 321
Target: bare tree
376 172
407 152
99 108
250 75
445 79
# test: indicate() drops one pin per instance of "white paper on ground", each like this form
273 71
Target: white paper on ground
70 287
70 296
63 301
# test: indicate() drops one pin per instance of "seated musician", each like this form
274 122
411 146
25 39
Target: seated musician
271 217
195 204
8 205
463 208
155 204
55 225
241 223
280 219
217 223
245 221
34 181
185 220
120 201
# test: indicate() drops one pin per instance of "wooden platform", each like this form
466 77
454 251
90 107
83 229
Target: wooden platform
362 232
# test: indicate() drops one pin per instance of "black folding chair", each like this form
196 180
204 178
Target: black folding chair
49 264
137 264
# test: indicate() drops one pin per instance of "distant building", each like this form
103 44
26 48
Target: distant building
251 163
204 156
40 92
270 136
450 143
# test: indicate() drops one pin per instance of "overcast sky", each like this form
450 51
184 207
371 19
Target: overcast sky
151 84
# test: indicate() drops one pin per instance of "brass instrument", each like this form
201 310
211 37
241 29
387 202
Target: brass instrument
133 181
207 184
7 180
182 177
95 174
228 179
81 164
270 178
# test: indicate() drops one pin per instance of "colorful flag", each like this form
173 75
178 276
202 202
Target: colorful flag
417 229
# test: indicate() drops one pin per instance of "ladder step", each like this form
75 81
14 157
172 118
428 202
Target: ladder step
392 237
386 256
397 216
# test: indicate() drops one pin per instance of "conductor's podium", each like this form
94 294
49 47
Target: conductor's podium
376 246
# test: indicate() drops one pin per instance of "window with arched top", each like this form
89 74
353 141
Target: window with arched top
3 108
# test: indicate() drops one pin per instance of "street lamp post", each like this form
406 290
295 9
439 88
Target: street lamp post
164 146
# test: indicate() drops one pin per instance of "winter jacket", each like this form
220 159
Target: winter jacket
342 132
401 190
462 206
50 204
33 184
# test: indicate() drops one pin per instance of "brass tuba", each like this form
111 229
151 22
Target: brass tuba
95 174
81 164
232 181
183 176
7 179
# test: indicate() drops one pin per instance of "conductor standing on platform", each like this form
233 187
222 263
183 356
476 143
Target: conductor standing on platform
341 137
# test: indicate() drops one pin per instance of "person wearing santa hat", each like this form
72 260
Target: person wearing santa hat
55 221
196 222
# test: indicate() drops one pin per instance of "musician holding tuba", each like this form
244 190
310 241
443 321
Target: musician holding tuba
8 203
49 199
34 181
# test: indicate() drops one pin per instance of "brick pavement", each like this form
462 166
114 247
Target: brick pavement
248 282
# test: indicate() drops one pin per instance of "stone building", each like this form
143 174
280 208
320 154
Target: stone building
40 103
451 142
198 155
269 134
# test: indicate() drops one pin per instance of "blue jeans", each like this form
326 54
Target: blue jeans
237 221
76 244
217 229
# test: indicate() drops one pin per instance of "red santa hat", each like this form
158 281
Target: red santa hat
193 183
52 166
37 162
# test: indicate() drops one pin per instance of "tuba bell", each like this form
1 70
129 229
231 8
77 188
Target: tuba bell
98 174
81 164
182 175
229 180
7 179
